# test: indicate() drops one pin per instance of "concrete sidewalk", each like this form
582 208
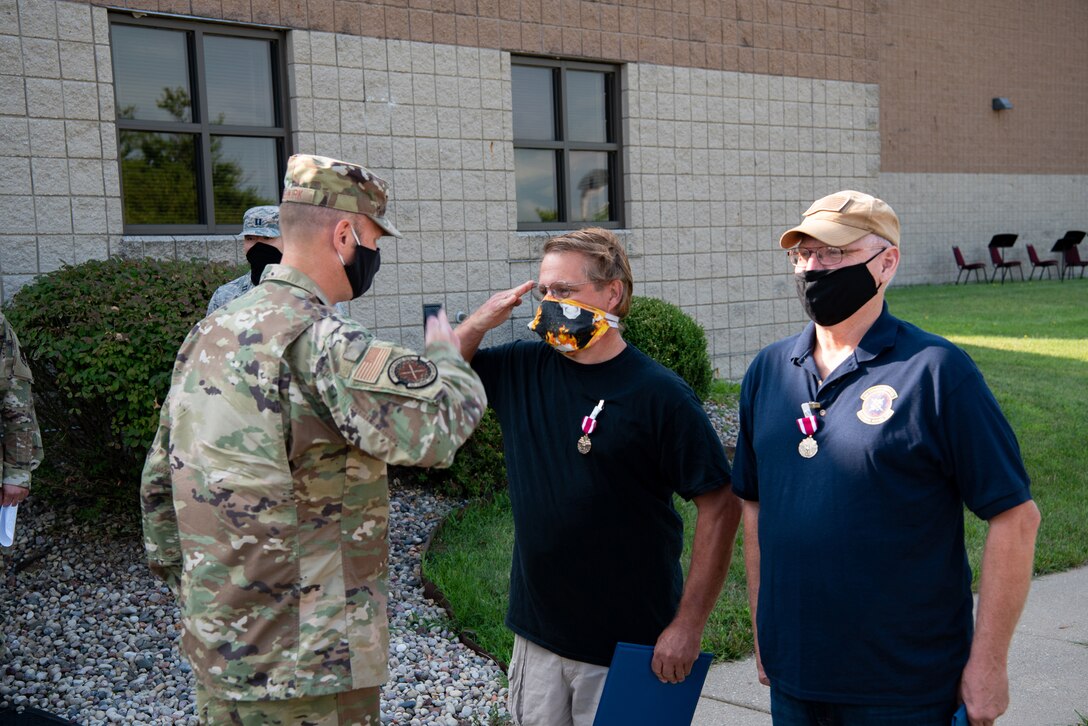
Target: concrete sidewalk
1048 665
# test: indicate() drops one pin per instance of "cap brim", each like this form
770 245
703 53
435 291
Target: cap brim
259 232
386 225
830 233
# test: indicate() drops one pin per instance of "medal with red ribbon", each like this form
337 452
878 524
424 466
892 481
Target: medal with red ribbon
589 425
808 425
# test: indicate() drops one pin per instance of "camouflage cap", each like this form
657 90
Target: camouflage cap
261 221
326 182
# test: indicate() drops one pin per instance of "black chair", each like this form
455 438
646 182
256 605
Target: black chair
1072 259
968 268
1037 264
1004 265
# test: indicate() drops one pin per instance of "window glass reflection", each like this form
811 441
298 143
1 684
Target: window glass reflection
589 189
586 99
534 109
535 181
151 74
244 175
158 178
238 73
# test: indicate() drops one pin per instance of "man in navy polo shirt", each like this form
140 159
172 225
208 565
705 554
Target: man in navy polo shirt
861 440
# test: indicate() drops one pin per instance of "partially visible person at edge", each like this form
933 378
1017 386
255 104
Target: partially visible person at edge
598 438
261 245
22 440
861 440
264 494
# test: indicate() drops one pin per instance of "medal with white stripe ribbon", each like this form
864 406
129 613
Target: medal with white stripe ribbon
808 425
589 425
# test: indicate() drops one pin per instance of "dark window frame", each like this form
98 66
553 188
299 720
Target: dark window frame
563 146
202 128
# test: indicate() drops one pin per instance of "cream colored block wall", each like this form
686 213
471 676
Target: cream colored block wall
937 211
718 165
435 120
60 195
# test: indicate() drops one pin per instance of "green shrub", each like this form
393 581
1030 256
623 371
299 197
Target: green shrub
101 338
478 470
672 338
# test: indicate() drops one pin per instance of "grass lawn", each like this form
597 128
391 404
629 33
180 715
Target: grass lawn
1031 342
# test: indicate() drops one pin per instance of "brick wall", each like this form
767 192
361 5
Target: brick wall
831 39
941 64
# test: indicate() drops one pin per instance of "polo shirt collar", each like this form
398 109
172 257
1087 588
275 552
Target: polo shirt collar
879 337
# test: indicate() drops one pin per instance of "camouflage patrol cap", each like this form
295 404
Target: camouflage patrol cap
326 182
261 221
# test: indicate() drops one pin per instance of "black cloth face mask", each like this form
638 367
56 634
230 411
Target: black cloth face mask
361 270
260 256
831 296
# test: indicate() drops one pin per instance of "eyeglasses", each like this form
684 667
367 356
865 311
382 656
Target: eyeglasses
827 256
559 290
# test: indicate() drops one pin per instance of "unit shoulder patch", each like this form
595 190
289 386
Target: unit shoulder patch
876 404
412 371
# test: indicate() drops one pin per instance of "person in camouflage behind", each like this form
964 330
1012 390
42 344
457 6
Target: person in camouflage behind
261 245
21 437
265 495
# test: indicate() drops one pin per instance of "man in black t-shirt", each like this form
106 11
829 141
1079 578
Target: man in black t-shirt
598 437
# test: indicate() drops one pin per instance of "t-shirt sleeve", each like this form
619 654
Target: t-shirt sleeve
982 449
745 481
696 454
490 363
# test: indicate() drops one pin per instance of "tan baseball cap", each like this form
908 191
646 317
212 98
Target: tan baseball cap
844 217
342 185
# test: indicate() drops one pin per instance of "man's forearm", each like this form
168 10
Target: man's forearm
469 335
711 552
1005 579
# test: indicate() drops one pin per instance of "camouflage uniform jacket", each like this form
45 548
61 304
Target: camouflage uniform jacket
229 291
264 493
21 438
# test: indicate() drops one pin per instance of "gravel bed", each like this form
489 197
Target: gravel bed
87 633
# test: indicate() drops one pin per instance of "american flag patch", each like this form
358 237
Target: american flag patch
372 364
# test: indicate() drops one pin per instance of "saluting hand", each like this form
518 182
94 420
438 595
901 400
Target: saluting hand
491 314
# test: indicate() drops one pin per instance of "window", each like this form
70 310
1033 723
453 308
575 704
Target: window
201 128
566 144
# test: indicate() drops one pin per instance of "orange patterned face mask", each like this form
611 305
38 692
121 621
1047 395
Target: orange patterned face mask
568 326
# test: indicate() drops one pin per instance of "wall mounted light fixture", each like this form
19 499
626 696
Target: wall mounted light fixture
1002 104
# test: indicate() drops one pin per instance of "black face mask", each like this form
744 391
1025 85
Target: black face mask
831 296
260 256
362 269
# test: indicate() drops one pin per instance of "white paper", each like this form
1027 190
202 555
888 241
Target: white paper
7 524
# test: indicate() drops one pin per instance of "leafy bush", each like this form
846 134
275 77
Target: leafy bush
101 338
672 338
478 470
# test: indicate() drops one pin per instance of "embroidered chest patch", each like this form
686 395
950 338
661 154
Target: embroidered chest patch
876 404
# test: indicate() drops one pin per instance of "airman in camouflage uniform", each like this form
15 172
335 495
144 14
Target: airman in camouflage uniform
21 438
265 495
260 225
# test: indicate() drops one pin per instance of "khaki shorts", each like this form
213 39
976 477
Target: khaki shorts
361 707
549 690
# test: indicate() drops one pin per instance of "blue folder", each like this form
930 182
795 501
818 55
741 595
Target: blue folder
633 696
